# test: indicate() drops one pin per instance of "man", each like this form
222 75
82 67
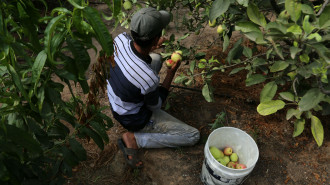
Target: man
134 92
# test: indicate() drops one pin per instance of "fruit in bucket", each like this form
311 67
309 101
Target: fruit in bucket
233 157
240 166
231 165
228 151
216 153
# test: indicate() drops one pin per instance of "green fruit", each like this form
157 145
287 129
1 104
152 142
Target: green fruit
222 161
176 57
212 24
179 52
227 159
127 5
220 29
233 157
216 153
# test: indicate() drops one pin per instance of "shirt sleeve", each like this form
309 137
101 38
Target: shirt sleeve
154 99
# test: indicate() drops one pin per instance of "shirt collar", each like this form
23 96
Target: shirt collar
147 59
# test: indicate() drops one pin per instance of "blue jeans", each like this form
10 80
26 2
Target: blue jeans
164 130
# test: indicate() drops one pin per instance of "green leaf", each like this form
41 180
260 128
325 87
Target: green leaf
293 112
256 37
270 107
268 92
247 52
49 32
192 65
102 34
95 136
100 129
317 37
38 65
279 66
247 27
81 56
304 58
225 43
254 79
293 7
276 26
180 79
77 5
324 20
207 93
23 138
308 28
312 98
307 9
294 51
236 70
19 85
299 126
255 15
78 149
295 29
236 51
287 96
218 8
317 130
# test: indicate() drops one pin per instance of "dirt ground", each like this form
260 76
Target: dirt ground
282 158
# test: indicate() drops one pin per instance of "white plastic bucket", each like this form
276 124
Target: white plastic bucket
213 173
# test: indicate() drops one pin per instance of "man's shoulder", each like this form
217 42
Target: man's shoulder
123 35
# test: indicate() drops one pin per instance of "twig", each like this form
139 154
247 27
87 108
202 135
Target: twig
233 65
322 88
322 8
294 86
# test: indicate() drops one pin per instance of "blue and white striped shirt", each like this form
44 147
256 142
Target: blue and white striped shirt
132 87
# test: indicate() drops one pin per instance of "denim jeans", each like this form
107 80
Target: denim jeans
164 130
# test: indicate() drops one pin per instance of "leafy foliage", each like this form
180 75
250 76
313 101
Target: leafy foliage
294 36
39 55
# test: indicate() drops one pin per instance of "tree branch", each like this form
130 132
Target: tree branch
322 8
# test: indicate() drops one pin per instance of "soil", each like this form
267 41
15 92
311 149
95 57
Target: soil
282 158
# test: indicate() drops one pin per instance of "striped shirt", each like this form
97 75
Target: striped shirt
132 86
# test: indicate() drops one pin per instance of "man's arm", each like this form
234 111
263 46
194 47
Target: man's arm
170 75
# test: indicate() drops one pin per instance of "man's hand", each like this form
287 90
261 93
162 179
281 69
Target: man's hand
170 74
159 44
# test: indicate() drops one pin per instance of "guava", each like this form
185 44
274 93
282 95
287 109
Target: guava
212 24
233 157
127 5
216 153
240 166
220 29
176 57
169 63
228 151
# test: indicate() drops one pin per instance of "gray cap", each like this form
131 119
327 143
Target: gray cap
148 22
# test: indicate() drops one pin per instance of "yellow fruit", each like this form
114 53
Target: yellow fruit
212 24
220 29
176 57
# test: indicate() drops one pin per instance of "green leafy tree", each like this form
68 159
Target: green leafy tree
41 52
294 61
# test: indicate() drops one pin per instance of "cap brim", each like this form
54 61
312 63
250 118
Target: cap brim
166 17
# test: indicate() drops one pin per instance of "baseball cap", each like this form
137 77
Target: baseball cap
149 22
